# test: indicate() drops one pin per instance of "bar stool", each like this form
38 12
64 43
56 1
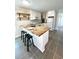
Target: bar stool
29 39
23 35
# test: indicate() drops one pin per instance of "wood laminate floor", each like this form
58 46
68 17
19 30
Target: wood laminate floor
54 48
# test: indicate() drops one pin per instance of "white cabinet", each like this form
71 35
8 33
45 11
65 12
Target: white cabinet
51 13
51 23
51 19
34 14
41 41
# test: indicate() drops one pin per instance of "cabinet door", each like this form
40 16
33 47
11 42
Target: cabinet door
37 41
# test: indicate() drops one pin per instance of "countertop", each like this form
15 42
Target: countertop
37 30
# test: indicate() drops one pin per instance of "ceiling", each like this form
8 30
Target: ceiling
41 5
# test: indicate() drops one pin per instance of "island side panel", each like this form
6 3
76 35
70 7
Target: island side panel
40 41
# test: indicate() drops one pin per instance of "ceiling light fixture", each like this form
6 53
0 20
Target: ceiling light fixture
26 3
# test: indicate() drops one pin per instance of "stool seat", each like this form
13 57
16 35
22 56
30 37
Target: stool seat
23 31
28 36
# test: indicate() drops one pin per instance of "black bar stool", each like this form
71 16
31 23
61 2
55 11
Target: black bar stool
23 35
29 39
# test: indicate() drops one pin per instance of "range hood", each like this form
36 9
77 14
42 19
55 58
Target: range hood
50 16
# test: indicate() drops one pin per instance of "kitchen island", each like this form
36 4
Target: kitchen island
40 35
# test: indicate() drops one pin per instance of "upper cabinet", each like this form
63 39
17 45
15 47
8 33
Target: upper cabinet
35 15
51 13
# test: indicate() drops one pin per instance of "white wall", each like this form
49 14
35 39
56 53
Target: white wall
17 30
59 22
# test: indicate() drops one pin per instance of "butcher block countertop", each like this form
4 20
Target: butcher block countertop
37 30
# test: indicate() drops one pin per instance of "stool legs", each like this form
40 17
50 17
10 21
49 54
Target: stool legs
23 38
21 35
25 41
27 44
28 38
